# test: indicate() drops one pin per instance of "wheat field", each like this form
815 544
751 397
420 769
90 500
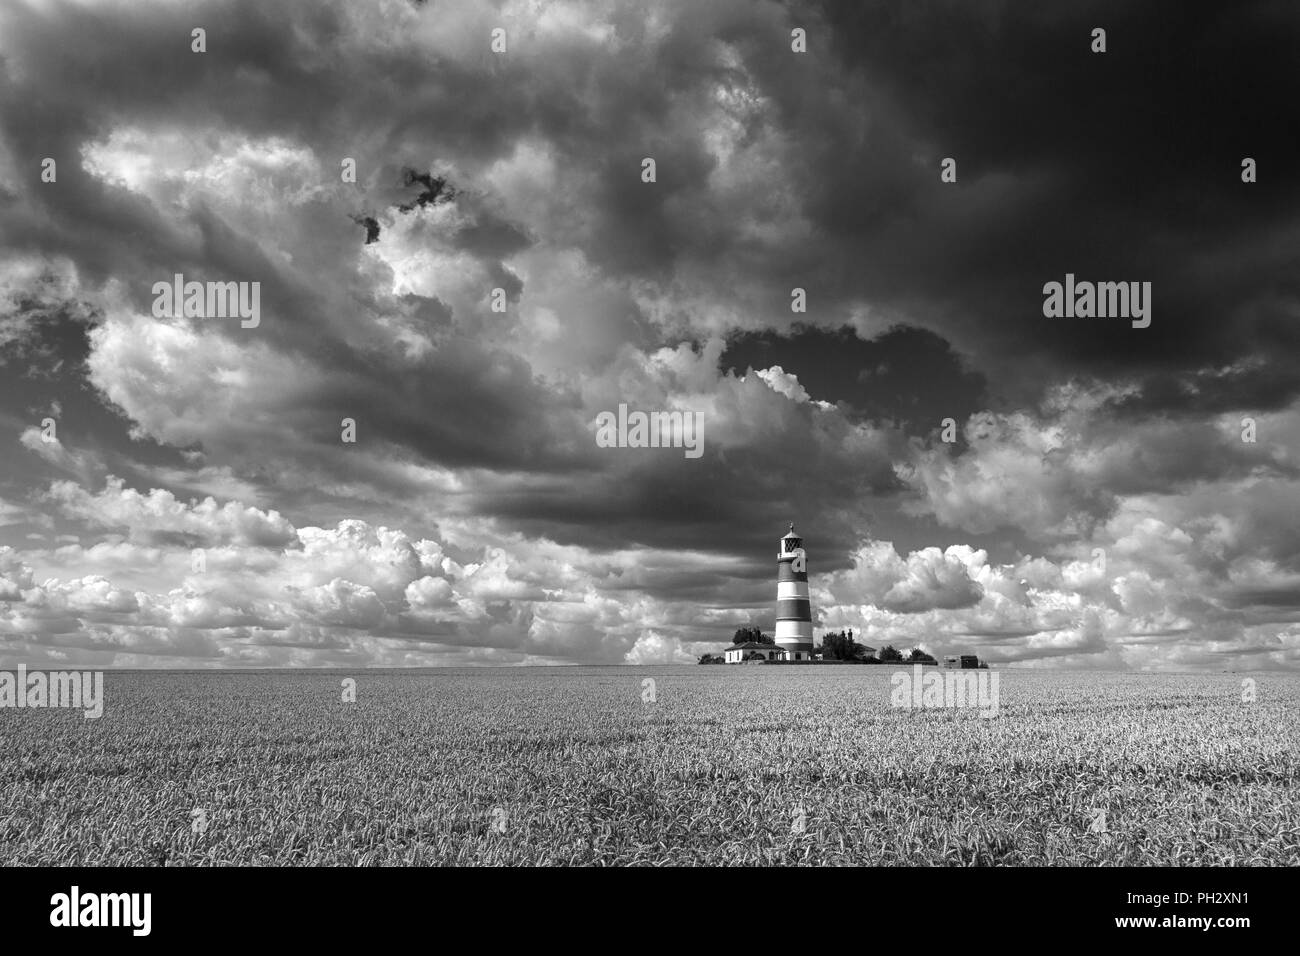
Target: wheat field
748 765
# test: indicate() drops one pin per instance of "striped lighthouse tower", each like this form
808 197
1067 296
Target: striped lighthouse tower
793 611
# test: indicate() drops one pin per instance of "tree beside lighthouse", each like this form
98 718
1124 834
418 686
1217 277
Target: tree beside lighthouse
794 630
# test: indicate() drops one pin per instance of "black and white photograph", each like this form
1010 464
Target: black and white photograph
650 433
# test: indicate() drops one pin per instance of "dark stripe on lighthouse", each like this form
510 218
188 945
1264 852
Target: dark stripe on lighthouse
783 572
794 609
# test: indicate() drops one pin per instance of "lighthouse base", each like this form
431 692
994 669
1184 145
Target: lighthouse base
795 637
796 650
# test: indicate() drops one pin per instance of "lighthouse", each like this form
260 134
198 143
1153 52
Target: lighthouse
794 633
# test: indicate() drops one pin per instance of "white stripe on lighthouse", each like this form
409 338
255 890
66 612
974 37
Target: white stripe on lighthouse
797 631
792 590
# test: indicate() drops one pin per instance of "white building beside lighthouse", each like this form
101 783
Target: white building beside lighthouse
794 630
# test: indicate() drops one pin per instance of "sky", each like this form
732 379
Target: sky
969 474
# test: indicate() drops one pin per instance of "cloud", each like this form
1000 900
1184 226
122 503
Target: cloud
475 519
779 381
925 580
157 515
51 449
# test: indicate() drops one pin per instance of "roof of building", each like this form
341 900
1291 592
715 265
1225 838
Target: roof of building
753 645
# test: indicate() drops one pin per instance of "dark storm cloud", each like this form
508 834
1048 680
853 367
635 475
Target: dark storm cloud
1263 385
1123 165
874 379
1110 166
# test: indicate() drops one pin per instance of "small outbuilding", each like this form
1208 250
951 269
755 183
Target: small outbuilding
737 653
